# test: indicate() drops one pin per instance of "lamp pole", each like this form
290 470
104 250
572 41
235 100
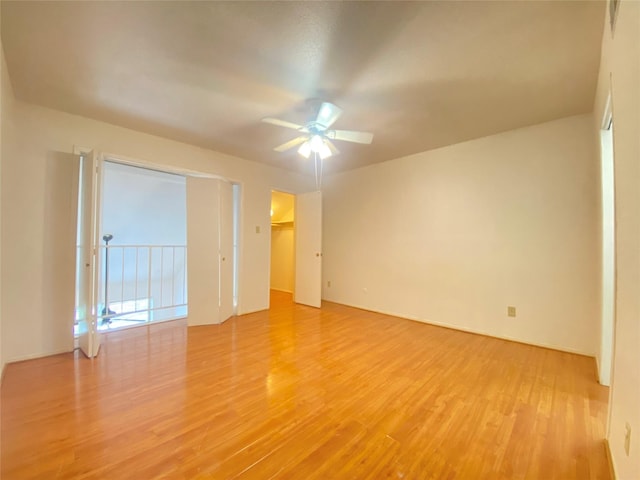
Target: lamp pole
106 310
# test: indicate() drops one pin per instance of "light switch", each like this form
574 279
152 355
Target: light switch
257 228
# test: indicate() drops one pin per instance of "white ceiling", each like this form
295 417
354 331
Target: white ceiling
419 75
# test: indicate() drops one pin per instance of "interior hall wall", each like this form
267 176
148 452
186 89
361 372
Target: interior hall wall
620 75
454 236
142 206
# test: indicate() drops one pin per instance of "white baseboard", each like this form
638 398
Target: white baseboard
33 356
470 330
251 311
612 465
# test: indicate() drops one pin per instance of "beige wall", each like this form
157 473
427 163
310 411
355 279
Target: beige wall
282 258
39 133
620 74
455 235
6 141
3 79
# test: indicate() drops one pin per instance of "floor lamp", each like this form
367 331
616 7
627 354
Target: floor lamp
106 310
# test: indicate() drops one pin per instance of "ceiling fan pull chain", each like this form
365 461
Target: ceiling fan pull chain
321 165
315 169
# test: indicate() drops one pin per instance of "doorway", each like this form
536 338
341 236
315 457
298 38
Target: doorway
296 246
141 247
282 275
132 265
143 265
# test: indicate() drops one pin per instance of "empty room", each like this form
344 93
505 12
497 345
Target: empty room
450 291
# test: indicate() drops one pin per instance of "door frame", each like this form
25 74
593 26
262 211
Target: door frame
295 259
608 252
93 345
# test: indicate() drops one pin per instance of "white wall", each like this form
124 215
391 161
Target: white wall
143 207
3 102
58 270
40 131
282 258
6 142
620 73
455 235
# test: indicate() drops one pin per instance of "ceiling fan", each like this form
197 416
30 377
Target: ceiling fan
316 135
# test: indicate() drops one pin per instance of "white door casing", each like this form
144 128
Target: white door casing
226 250
88 336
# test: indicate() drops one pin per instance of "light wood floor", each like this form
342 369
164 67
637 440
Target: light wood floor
299 393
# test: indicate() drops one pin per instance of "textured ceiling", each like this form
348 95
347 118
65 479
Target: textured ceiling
419 75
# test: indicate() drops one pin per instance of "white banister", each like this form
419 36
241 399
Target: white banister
129 308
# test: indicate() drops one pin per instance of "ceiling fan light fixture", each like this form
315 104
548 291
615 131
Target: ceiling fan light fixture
324 151
316 143
316 136
305 149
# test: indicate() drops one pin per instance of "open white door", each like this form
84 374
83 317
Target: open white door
308 239
226 250
89 338
203 236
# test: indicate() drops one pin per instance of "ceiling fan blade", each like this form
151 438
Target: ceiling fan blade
284 123
290 144
351 136
332 147
328 114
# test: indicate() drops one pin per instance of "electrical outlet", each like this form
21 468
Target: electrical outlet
627 438
511 311
328 283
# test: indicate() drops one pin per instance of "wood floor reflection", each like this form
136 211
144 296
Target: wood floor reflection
301 393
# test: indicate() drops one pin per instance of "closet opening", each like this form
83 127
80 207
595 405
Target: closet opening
282 277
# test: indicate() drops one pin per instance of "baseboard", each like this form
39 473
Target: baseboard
33 356
282 290
251 311
469 330
612 467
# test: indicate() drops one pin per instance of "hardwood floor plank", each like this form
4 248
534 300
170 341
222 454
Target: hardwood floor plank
297 392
